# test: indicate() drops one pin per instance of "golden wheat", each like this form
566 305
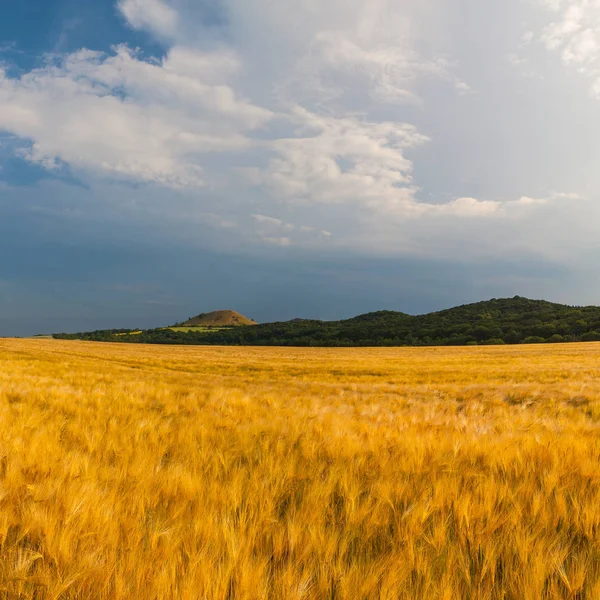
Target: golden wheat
136 472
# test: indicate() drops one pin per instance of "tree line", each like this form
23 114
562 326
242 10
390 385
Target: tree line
499 321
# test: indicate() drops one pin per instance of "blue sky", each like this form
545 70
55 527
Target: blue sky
159 158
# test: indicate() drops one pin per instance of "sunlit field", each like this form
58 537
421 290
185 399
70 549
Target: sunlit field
151 472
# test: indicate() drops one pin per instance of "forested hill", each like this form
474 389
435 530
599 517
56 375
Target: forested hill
506 321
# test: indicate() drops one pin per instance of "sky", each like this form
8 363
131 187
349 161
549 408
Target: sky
300 158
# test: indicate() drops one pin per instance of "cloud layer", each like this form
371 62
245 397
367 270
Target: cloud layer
303 130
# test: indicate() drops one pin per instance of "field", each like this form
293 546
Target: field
153 472
130 333
196 329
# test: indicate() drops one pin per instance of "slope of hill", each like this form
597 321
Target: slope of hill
219 318
505 321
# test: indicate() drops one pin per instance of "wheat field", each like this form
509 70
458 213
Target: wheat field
152 472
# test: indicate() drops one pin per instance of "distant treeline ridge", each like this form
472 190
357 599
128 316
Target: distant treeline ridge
506 321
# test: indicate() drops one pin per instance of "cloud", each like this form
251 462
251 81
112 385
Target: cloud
344 160
474 230
154 15
354 162
343 52
269 229
277 241
271 221
475 207
130 118
339 61
144 120
323 122
575 35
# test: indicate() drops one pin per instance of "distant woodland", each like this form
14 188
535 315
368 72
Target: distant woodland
499 321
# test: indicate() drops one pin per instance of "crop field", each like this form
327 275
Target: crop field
155 472
197 329
124 334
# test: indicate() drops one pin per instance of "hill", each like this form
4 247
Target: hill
498 321
219 318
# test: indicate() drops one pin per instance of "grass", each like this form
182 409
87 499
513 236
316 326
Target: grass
129 333
137 472
197 329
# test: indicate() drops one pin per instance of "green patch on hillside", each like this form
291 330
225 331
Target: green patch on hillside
196 329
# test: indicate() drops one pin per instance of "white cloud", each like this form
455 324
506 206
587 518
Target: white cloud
340 51
130 118
157 121
339 61
575 35
470 229
354 162
269 229
312 119
563 31
155 15
344 160
277 241
264 219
